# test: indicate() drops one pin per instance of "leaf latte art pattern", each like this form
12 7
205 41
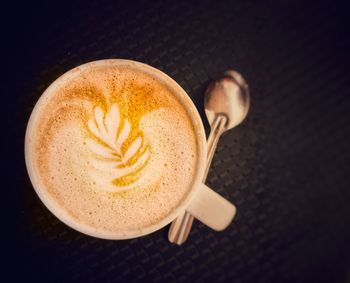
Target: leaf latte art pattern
111 132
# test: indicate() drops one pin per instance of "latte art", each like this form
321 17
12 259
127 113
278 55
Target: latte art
113 147
107 145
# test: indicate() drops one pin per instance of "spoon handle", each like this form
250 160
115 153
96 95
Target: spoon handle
215 132
180 228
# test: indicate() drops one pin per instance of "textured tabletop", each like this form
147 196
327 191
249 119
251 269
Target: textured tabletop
286 167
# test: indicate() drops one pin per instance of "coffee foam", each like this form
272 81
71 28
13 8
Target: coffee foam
115 148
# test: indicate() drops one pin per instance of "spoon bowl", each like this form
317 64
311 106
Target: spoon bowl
228 96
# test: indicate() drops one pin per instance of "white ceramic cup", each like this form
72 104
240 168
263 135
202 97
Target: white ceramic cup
202 202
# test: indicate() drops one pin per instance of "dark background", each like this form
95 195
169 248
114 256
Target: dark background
286 167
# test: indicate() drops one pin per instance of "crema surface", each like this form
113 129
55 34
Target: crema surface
114 147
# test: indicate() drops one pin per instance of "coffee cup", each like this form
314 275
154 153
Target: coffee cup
116 149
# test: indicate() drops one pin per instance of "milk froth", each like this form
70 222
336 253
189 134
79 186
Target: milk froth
115 148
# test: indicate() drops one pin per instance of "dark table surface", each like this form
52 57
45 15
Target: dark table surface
286 167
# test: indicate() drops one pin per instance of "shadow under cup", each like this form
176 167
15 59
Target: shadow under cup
60 212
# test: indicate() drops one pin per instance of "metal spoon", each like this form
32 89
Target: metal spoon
226 104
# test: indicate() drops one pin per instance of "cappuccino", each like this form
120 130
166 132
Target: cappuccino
114 147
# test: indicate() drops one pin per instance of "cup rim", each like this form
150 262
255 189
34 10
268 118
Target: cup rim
60 212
